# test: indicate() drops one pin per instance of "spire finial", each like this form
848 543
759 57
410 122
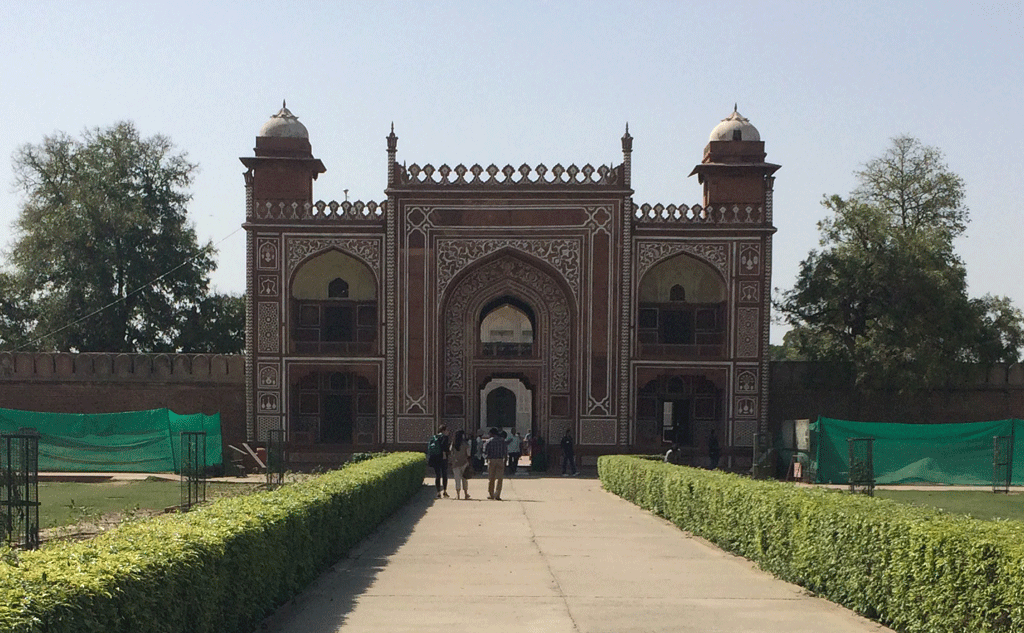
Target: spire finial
284 103
735 106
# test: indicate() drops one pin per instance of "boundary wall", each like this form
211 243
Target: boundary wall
215 383
113 383
809 390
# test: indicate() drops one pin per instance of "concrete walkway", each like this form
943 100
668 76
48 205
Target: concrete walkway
556 555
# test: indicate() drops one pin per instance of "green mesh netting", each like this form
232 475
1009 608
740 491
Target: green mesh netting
135 441
955 454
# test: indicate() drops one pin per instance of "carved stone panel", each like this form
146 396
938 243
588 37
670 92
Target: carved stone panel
650 253
267 253
366 249
455 255
750 259
746 381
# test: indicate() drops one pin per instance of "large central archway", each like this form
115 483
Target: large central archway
469 360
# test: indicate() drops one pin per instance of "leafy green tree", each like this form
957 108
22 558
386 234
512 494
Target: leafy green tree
886 291
104 254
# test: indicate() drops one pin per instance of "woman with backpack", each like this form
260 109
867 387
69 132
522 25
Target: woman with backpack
438 449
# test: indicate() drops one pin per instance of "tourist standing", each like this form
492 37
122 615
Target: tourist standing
459 463
568 454
714 452
478 453
496 452
438 449
515 451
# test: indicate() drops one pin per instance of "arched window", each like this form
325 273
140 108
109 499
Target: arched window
337 289
677 293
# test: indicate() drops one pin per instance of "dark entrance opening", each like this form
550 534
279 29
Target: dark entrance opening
337 323
501 408
336 424
676 427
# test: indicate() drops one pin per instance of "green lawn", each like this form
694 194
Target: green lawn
69 503
980 504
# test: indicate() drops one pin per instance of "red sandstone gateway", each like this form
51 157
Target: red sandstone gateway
531 298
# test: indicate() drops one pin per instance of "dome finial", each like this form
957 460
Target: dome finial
284 104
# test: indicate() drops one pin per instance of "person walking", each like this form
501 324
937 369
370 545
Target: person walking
438 449
460 463
496 451
568 454
515 451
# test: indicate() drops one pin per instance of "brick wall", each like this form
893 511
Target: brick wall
111 383
804 390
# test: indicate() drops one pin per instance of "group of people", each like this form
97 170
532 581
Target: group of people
499 453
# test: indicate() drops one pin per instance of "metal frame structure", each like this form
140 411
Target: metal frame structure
277 457
1002 463
19 492
193 468
862 465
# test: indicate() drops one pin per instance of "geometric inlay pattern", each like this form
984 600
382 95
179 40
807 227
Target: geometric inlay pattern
650 253
597 432
747 332
266 423
743 432
454 255
414 430
268 326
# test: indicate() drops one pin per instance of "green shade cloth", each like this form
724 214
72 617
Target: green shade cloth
135 441
955 454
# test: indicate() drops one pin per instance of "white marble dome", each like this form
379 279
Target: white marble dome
735 127
284 124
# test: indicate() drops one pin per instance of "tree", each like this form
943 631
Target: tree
887 291
104 255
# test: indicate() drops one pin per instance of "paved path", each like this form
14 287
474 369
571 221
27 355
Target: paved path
556 555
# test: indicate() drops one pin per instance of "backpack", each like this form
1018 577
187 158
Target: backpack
435 446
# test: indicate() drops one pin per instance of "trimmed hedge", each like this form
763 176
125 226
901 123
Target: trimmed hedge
221 567
914 569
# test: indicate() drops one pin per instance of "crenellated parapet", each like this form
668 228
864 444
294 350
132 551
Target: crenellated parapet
96 366
682 214
319 211
525 175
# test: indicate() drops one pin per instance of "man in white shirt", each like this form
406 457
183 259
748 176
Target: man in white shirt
515 451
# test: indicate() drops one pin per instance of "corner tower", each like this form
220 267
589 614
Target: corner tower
278 189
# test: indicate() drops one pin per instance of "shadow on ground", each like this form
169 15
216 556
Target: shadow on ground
351 576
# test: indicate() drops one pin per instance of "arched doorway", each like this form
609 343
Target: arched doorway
508 318
507 403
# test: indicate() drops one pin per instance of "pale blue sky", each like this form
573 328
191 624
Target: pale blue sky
827 84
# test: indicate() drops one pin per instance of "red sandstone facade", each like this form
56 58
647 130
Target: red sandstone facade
533 298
